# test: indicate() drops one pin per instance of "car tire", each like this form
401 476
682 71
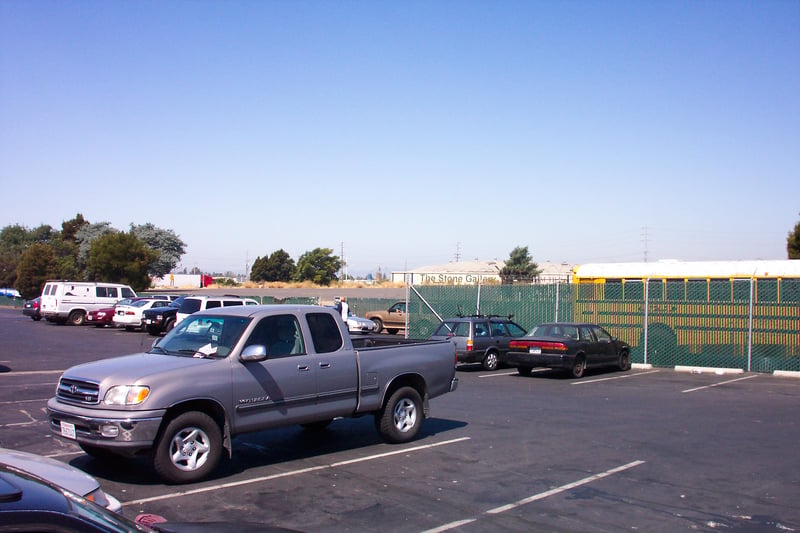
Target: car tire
153 330
401 418
624 362
36 318
76 317
490 361
169 324
392 331
578 367
189 448
378 324
524 370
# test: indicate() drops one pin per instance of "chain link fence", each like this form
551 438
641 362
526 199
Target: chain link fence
663 330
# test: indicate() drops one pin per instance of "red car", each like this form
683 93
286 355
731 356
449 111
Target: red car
105 316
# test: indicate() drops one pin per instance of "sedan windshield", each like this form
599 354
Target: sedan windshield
203 336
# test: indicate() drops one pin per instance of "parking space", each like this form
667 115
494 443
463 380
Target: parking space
648 450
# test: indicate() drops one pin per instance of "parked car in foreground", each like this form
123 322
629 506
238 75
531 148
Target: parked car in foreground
61 474
480 339
130 316
161 319
573 347
33 308
32 502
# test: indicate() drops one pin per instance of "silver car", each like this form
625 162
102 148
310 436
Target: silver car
60 474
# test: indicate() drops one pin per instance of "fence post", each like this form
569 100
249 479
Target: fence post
646 312
750 326
557 286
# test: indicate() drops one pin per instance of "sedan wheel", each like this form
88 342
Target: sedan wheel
578 366
624 362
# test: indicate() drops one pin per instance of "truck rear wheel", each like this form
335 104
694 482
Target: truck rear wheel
188 449
401 417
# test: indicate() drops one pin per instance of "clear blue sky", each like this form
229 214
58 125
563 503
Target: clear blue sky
408 132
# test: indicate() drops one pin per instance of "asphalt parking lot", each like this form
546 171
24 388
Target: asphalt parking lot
645 450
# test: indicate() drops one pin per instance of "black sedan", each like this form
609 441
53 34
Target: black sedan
33 308
568 346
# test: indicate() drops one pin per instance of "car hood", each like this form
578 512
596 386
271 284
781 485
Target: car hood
56 472
130 368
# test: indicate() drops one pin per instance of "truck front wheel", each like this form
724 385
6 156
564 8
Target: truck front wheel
401 417
378 324
189 449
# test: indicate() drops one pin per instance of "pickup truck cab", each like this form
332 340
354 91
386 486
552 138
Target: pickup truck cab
227 371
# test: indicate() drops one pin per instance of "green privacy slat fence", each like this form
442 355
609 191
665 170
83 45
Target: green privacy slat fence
680 324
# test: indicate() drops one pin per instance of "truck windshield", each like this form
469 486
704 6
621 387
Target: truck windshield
203 336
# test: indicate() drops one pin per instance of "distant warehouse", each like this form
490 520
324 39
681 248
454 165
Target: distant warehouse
477 272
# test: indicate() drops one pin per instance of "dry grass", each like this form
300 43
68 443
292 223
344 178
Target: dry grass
309 285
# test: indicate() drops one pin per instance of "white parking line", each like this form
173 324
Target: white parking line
292 472
25 401
539 496
614 377
31 372
512 373
718 384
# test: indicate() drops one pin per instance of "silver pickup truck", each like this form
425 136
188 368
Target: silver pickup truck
228 371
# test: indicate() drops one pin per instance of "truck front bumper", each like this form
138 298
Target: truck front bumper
118 431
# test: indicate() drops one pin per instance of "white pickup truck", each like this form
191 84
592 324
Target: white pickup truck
228 371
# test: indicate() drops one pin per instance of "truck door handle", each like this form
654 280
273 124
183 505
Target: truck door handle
324 365
302 368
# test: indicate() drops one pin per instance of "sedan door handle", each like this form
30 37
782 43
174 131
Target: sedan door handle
303 368
324 365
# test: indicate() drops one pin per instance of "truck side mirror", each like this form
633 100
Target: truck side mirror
254 353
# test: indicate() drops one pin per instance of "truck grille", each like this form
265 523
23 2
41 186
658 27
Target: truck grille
74 390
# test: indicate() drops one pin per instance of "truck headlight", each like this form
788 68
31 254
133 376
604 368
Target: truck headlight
126 395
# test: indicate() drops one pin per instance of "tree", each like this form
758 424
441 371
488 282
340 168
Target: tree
519 267
86 234
35 267
169 246
793 243
277 267
13 241
317 266
122 258
70 227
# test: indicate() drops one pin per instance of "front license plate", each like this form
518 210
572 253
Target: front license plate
68 430
535 350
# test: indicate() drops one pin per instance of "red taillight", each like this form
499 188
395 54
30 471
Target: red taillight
129 313
469 345
544 345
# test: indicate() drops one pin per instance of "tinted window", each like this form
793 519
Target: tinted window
481 329
211 304
189 306
127 293
325 332
515 330
280 334
228 303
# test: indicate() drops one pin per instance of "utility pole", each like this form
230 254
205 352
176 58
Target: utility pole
458 252
644 238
